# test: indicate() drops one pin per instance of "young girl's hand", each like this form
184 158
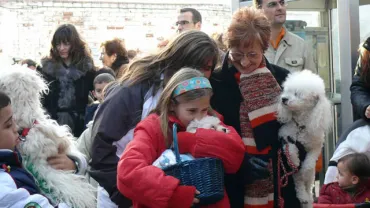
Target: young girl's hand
196 200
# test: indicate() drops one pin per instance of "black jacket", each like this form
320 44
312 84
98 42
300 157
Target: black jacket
360 93
226 100
69 89
117 116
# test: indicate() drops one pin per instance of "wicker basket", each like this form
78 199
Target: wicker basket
206 174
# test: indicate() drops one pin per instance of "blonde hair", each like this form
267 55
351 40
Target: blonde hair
167 99
248 25
189 49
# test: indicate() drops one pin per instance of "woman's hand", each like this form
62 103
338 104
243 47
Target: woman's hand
62 162
367 112
196 200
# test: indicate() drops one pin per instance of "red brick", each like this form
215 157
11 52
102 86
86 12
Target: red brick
67 14
27 24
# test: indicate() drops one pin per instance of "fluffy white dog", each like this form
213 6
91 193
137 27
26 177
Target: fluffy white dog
306 114
208 122
45 138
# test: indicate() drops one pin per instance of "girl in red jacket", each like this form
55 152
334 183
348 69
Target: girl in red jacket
353 184
185 97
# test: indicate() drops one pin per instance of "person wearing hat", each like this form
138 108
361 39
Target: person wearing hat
360 87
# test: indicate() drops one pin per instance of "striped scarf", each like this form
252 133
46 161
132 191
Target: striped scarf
258 128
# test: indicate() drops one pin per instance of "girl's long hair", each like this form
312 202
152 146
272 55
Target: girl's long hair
189 49
167 99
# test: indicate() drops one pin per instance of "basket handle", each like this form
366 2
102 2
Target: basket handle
175 143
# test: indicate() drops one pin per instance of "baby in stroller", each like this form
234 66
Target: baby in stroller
347 182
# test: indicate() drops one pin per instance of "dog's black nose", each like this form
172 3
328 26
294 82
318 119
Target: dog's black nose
284 100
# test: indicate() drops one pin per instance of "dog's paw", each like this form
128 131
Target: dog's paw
307 205
191 130
303 197
222 129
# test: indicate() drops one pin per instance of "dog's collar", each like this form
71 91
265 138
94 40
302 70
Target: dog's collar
24 132
300 127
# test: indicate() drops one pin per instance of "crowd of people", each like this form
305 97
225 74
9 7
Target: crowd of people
122 115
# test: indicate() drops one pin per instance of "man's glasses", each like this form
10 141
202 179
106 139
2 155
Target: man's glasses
182 22
237 56
274 4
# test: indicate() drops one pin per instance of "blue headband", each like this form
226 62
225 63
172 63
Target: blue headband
192 84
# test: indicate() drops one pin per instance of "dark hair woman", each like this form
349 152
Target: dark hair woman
135 96
114 55
69 70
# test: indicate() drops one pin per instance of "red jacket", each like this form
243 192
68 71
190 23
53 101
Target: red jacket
148 186
332 194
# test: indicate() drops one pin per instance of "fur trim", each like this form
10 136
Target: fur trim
66 78
54 69
45 139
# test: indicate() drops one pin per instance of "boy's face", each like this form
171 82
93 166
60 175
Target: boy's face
345 178
9 137
98 91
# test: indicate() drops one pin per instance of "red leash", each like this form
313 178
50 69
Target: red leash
283 181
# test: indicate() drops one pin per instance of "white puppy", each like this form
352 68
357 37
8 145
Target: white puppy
306 114
208 122
44 139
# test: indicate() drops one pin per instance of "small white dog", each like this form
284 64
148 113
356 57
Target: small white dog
44 139
208 122
305 113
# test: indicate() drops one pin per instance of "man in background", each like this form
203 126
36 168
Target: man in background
189 19
286 49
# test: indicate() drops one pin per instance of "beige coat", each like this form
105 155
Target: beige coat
292 54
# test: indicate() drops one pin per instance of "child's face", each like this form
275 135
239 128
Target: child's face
195 109
9 137
345 178
98 91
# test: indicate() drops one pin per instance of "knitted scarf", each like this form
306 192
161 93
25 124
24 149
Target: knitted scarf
259 129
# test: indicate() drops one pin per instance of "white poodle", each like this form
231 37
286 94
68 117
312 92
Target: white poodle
208 122
305 113
44 139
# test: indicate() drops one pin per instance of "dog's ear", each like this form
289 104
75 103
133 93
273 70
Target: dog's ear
321 116
283 115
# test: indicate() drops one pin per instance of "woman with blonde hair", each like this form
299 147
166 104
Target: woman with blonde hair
135 96
246 89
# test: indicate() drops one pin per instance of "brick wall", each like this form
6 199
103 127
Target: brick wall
27 26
